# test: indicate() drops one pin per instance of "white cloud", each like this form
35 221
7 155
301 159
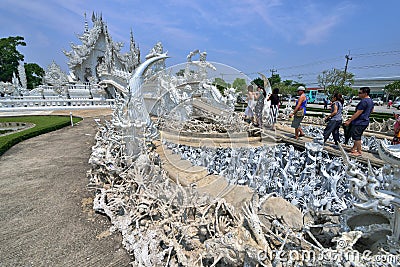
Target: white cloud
263 50
319 31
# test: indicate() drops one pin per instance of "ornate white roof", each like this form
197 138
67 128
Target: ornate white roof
54 75
98 46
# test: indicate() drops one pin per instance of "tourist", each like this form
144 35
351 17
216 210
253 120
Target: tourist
390 103
396 130
334 119
299 112
258 109
360 119
274 109
325 103
249 111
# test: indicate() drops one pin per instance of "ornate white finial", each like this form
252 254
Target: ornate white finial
133 45
86 24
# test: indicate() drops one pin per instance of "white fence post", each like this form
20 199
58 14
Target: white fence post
72 122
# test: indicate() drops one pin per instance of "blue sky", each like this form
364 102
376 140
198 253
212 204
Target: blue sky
298 38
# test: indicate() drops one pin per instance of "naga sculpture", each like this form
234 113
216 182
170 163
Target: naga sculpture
137 115
368 189
389 153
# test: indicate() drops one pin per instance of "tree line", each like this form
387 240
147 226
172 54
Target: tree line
10 58
330 81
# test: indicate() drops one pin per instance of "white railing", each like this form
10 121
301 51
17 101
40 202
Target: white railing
85 86
30 103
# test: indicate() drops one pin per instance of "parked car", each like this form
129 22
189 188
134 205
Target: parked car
321 98
285 98
396 104
377 101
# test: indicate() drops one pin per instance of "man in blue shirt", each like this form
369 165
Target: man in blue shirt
360 119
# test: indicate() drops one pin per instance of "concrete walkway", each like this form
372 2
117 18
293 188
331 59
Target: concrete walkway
286 134
46 215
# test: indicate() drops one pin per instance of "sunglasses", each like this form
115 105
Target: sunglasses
360 93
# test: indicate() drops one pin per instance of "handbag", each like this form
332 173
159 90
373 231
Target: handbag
299 113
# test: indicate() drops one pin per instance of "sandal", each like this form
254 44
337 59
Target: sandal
355 154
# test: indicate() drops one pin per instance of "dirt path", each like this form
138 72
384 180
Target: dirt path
46 216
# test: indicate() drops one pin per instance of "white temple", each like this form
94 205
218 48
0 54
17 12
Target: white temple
96 68
99 54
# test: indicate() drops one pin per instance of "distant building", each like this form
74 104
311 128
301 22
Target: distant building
376 84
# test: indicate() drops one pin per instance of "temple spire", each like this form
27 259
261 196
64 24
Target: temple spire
132 44
86 24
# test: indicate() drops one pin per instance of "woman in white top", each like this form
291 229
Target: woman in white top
249 112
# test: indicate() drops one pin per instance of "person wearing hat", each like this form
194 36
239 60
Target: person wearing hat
299 112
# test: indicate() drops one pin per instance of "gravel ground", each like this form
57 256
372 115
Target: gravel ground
46 215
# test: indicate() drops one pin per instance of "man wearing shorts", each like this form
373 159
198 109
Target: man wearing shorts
299 112
360 119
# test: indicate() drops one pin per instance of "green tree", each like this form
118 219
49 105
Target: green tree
332 81
283 89
347 90
10 56
344 90
34 74
288 82
393 89
274 79
239 84
287 87
258 81
220 84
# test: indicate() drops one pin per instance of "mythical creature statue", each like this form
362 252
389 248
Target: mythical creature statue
267 106
137 114
368 189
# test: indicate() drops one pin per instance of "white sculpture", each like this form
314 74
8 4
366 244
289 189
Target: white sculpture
137 114
16 84
389 153
202 65
54 75
155 51
22 75
230 97
368 189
